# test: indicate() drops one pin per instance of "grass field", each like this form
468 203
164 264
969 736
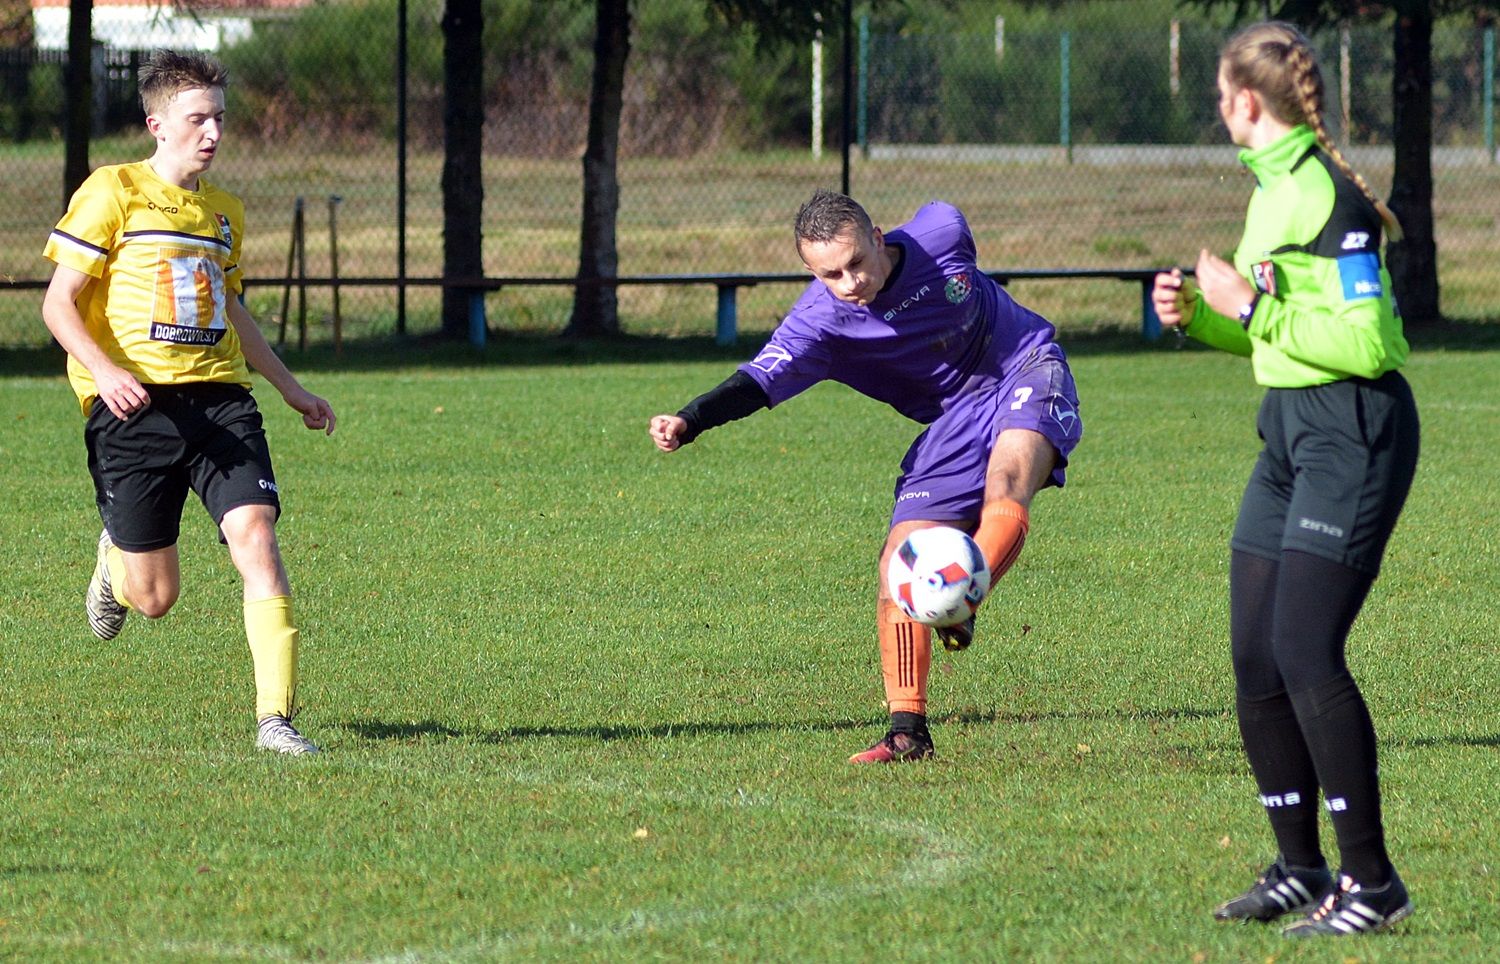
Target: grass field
584 701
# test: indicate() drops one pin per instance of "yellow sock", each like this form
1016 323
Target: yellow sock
114 560
273 647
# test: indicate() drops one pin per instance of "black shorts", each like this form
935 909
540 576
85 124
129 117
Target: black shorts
1333 476
205 436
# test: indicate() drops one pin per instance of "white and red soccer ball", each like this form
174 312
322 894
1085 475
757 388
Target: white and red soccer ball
938 576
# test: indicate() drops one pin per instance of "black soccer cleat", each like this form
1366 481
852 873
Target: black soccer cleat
956 638
1352 909
1280 890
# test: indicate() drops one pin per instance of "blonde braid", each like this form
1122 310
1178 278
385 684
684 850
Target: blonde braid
1307 80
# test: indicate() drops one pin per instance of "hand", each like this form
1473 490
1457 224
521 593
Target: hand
120 391
316 413
1174 298
1224 288
665 431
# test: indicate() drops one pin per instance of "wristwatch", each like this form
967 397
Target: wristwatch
1247 310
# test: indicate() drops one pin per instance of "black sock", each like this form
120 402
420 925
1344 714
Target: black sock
913 723
1341 739
1284 774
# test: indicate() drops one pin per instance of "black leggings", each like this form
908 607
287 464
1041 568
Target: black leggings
1288 621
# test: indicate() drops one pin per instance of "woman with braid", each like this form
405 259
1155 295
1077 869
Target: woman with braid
1309 301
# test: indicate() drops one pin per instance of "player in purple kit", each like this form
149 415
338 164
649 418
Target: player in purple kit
907 318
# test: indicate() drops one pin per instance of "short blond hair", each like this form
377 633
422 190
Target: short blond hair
169 73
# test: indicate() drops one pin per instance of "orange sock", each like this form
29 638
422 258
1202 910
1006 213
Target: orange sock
1003 525
905 658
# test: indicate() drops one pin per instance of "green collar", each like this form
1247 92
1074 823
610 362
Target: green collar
1280 157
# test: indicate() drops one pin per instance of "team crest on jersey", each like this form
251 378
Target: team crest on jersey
957 289
1264 275
224 232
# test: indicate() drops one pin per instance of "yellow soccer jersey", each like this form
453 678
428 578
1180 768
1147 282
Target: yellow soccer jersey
163 260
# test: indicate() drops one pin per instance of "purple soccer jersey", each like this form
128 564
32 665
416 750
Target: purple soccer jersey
939 329
943 344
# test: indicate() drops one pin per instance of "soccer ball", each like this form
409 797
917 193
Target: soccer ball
938 576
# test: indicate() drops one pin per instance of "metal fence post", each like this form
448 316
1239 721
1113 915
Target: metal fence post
1065 119
864 85
1489 93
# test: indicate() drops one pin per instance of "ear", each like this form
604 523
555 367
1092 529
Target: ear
153 125
1253 106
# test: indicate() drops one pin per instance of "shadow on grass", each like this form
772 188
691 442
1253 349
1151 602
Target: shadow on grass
376 730
533 350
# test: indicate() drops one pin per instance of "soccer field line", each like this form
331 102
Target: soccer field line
942 857
949 859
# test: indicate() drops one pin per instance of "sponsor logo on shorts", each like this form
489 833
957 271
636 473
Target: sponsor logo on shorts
1065 415
1337 805
269 486
771 357
1322 528
1274 800
957 288
923 494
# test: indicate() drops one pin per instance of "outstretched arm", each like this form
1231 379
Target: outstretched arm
733 398
316 412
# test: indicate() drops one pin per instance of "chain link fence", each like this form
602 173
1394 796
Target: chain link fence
1065 149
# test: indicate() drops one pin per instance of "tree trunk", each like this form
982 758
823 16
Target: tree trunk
596 307
78 96
1413 260
463 153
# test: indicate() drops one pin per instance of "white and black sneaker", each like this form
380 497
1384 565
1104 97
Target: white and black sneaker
106 615
1352 909
1280 890
277 734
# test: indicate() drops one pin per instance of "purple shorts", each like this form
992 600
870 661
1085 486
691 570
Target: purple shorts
942 476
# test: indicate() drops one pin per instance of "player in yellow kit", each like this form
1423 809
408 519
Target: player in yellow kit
145 299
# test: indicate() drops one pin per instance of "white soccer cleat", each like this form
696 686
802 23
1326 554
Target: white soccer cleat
106 615
277 734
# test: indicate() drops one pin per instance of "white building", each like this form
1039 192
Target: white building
149 24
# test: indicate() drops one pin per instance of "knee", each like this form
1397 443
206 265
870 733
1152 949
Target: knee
153 601
1255 673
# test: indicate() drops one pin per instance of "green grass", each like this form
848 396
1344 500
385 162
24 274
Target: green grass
584 701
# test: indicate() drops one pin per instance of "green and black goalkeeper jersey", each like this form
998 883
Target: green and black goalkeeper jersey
1311 247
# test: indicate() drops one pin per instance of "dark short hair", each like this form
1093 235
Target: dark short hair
827 214
169 73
